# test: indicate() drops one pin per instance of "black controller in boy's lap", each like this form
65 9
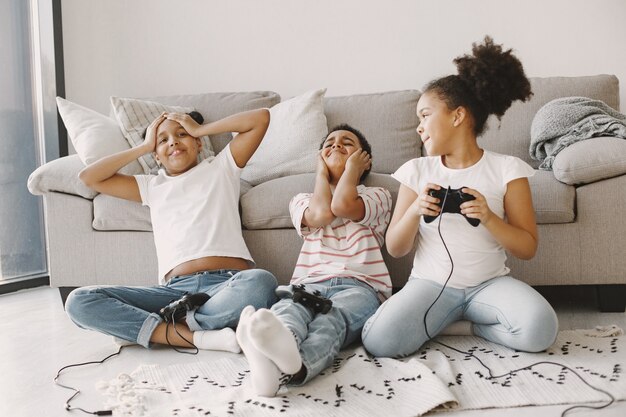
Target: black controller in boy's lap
453 200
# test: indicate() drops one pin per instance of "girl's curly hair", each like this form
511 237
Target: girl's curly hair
488 82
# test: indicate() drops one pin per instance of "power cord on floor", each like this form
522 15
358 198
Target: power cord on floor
68 407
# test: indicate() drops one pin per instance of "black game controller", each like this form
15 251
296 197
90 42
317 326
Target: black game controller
177 309
298 294
454 199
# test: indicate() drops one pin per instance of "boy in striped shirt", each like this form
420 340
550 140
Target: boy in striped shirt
343 224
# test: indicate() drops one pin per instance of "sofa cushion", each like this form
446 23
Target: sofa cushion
388 121
266 206
291 143
216 106
511 136
134 116
554 201
60 175
94 135
590 160
112 213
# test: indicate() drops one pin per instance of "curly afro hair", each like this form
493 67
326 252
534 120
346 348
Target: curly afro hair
488 82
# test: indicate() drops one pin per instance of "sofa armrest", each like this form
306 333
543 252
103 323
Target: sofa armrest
60 175
591 160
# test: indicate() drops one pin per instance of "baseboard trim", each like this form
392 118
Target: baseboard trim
9 286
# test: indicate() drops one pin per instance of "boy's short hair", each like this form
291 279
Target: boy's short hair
362 141
196 116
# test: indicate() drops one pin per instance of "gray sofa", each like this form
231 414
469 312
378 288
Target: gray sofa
96 239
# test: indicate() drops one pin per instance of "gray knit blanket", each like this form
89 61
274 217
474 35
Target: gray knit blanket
568 120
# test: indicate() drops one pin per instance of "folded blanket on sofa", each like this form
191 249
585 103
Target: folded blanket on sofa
564 121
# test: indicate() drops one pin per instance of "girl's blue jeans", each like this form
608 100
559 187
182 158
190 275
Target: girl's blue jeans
131 313
320 337
503 310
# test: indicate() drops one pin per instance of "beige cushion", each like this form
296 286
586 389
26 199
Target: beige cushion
266 206
94 135
291 143
216 106
111 213
388 121
60 175
134 116
590 160
554 201
512 135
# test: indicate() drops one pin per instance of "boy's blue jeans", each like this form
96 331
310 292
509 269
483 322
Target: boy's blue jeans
503 310
131 313
320 337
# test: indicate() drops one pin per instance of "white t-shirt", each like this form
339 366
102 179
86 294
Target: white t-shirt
195 214
476 254
345 248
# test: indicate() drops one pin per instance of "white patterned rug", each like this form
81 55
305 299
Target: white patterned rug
434 378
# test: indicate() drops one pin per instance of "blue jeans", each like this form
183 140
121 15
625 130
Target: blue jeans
320 337
503 310
131 313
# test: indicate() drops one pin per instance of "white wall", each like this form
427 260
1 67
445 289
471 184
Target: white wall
144 48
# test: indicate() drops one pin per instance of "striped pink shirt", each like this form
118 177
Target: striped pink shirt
345 248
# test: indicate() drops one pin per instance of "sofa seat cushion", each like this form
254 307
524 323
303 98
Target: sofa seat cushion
112 213
554 201
266 206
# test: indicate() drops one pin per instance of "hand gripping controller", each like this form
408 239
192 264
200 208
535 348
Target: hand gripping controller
177 309
455 197
298 294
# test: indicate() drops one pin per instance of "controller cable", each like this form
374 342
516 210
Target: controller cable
167 339
491 376
68 407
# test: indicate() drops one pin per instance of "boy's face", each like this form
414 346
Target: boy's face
338 147
176 149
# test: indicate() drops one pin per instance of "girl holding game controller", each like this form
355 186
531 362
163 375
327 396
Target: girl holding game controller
459 270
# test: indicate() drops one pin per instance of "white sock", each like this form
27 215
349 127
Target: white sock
275 341
223 339
264 373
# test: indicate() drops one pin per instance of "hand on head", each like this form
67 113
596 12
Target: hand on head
149 141
187 122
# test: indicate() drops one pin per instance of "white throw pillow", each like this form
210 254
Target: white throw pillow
93 135
297 128
134 116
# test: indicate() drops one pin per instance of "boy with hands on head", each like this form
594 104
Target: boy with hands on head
343 224
197 234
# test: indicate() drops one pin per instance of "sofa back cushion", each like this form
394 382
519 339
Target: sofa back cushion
511 136
266 206
215 106
388 121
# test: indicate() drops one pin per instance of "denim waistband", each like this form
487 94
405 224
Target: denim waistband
207 272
